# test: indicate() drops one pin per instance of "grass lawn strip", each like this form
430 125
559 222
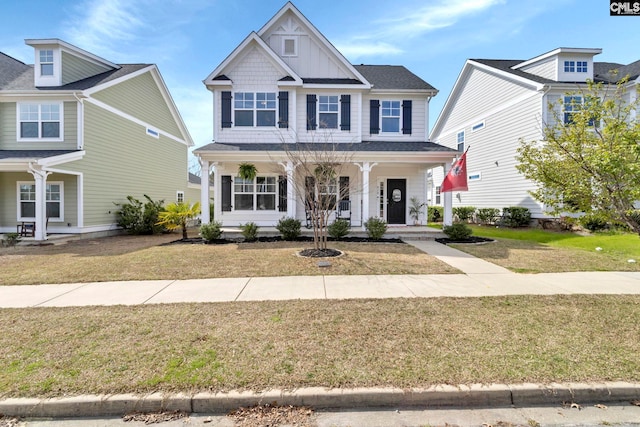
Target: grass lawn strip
538 251
339 343
143 258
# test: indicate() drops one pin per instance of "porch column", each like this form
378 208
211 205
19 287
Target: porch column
291 190
204 192
365 168
40 177
448 201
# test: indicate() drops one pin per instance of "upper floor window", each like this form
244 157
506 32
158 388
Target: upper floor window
569 66
581 66
572 104
390 113
40 121
46 62
460 140
328 107
254 109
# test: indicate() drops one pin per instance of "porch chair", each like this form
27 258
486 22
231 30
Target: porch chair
26 229
344 211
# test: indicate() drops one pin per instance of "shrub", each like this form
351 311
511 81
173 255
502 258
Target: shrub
289 228
458 231
594 222
11 239
249 231
516 216
211 231
376 227
339 228
487 215
464 213
435 213
139 218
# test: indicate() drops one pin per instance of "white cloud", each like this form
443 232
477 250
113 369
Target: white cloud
357 49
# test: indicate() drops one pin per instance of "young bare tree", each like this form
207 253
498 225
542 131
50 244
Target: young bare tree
319 182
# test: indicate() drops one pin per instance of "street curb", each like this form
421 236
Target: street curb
442 396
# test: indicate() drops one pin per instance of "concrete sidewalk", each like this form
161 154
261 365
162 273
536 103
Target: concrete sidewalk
480 278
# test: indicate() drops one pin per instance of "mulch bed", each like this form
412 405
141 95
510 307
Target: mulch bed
472 240
201 241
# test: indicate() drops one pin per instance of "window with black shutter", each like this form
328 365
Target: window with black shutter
283 110
226 109
226 193
345 112
374 116
344 188
311 112
406 117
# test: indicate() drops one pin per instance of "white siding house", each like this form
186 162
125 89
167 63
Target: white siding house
287 86
496 103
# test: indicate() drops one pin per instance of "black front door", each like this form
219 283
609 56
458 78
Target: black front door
396 201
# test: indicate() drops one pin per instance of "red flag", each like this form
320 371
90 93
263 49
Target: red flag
456 179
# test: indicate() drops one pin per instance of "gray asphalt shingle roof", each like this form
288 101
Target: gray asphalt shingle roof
601 70
392 77
365 146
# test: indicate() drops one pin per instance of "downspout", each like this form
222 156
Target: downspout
80 124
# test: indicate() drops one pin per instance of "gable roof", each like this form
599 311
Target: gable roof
11 69
393 77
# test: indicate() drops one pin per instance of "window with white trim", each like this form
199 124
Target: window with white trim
581 66
328 107
46 62
328 193
569 66
438 193
180 196
251 195
40 121
27 201
254 109
460 140
390 116
572 104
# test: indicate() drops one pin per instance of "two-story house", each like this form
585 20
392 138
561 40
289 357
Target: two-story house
78 133
497 102
285 87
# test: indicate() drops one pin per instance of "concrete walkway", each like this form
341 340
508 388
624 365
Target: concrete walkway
479 278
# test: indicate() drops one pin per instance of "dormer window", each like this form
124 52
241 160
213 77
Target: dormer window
289 47
575 66
46 62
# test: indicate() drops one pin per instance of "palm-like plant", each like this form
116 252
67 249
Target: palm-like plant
177 215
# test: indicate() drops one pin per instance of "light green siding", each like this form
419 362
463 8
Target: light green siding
9 196
9 126
141 98
74 68
122 160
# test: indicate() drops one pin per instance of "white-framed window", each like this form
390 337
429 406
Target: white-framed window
581 66
460 140
289 46
254 109
569 66
572 104
40 121
328 193
46 62
477 126
180 196
328 108
27 201
438 195
258 194
390 116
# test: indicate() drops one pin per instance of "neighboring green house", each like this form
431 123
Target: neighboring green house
78 133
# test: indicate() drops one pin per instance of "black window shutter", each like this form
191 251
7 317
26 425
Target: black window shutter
283 108
406 117
310 190
226 193
345 112
311 112
344 188
226 109
374 116
282 190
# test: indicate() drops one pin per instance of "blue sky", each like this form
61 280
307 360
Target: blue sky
187 39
